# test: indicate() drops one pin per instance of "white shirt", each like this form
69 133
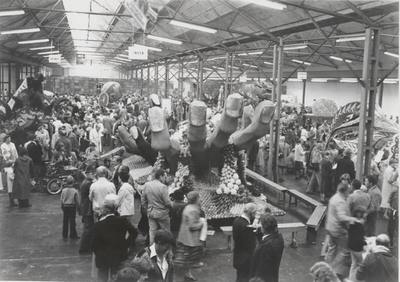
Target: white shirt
298 153
99 190
162 264
126 200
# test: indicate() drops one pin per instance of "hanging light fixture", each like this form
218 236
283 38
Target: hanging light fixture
268 4
193 26
158 38
33 41
301 62
17 31
12 13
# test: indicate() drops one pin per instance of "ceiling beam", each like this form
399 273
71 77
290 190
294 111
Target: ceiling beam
77 12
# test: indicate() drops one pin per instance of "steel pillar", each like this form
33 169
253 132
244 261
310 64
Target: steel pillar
278 108
156 80
141 81
368 100
166 79
272 165
200 72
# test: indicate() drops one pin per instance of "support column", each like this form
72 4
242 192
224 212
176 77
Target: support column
304 101
278 108
156 80
180 80
200 86
166 79
141 80
148 80
272 166
226 79
368 100
380 95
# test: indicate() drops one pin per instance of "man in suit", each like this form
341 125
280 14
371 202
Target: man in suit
100 189
245 242
156 201
109 243
344 165
267 257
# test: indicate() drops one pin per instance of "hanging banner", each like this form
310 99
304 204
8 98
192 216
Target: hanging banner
22 87
137 53
55 59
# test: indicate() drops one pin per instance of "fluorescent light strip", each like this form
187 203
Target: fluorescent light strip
319 80
123 55
33 41
391 54
17 31
268 63
147 47
391 81
268 4
351 80
347 39
251 66
294 47
49 52
12 13
41 48
294 80
193 26
218 58
339 59
251 53
122 59
301 62
172 41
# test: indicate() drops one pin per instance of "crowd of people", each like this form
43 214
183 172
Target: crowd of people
80 130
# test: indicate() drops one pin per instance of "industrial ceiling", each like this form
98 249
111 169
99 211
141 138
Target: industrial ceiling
327 35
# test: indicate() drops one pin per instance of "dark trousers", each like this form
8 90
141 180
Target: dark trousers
370 225
104 274
69 221
106 139
392 224
242 275
24 203
87 235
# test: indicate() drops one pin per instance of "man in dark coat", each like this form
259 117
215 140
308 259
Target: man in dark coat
108 123
35 153
109 243
64 139
86 211
267 257
73 138
326 176
245 242
380 265
344 165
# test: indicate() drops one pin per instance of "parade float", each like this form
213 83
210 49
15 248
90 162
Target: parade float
202 155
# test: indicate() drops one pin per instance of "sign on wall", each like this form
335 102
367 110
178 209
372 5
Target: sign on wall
301 75
55 59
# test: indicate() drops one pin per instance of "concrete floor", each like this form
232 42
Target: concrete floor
32 248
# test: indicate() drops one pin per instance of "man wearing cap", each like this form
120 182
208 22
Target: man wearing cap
110 244
379 265
245 242
73 138
344 165
100 189
156 201
87 210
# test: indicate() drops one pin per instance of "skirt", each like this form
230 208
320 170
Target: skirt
187 256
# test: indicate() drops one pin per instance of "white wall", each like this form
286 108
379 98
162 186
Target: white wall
343 93
96 71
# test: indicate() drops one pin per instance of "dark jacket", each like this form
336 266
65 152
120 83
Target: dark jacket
86 203
35 152
267 258
155 274
74 143
23 170
344 165
67 143
245 244
381 266
109 243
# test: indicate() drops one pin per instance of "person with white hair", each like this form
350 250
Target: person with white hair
379 265
95 137
245 242
109 243
100 189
